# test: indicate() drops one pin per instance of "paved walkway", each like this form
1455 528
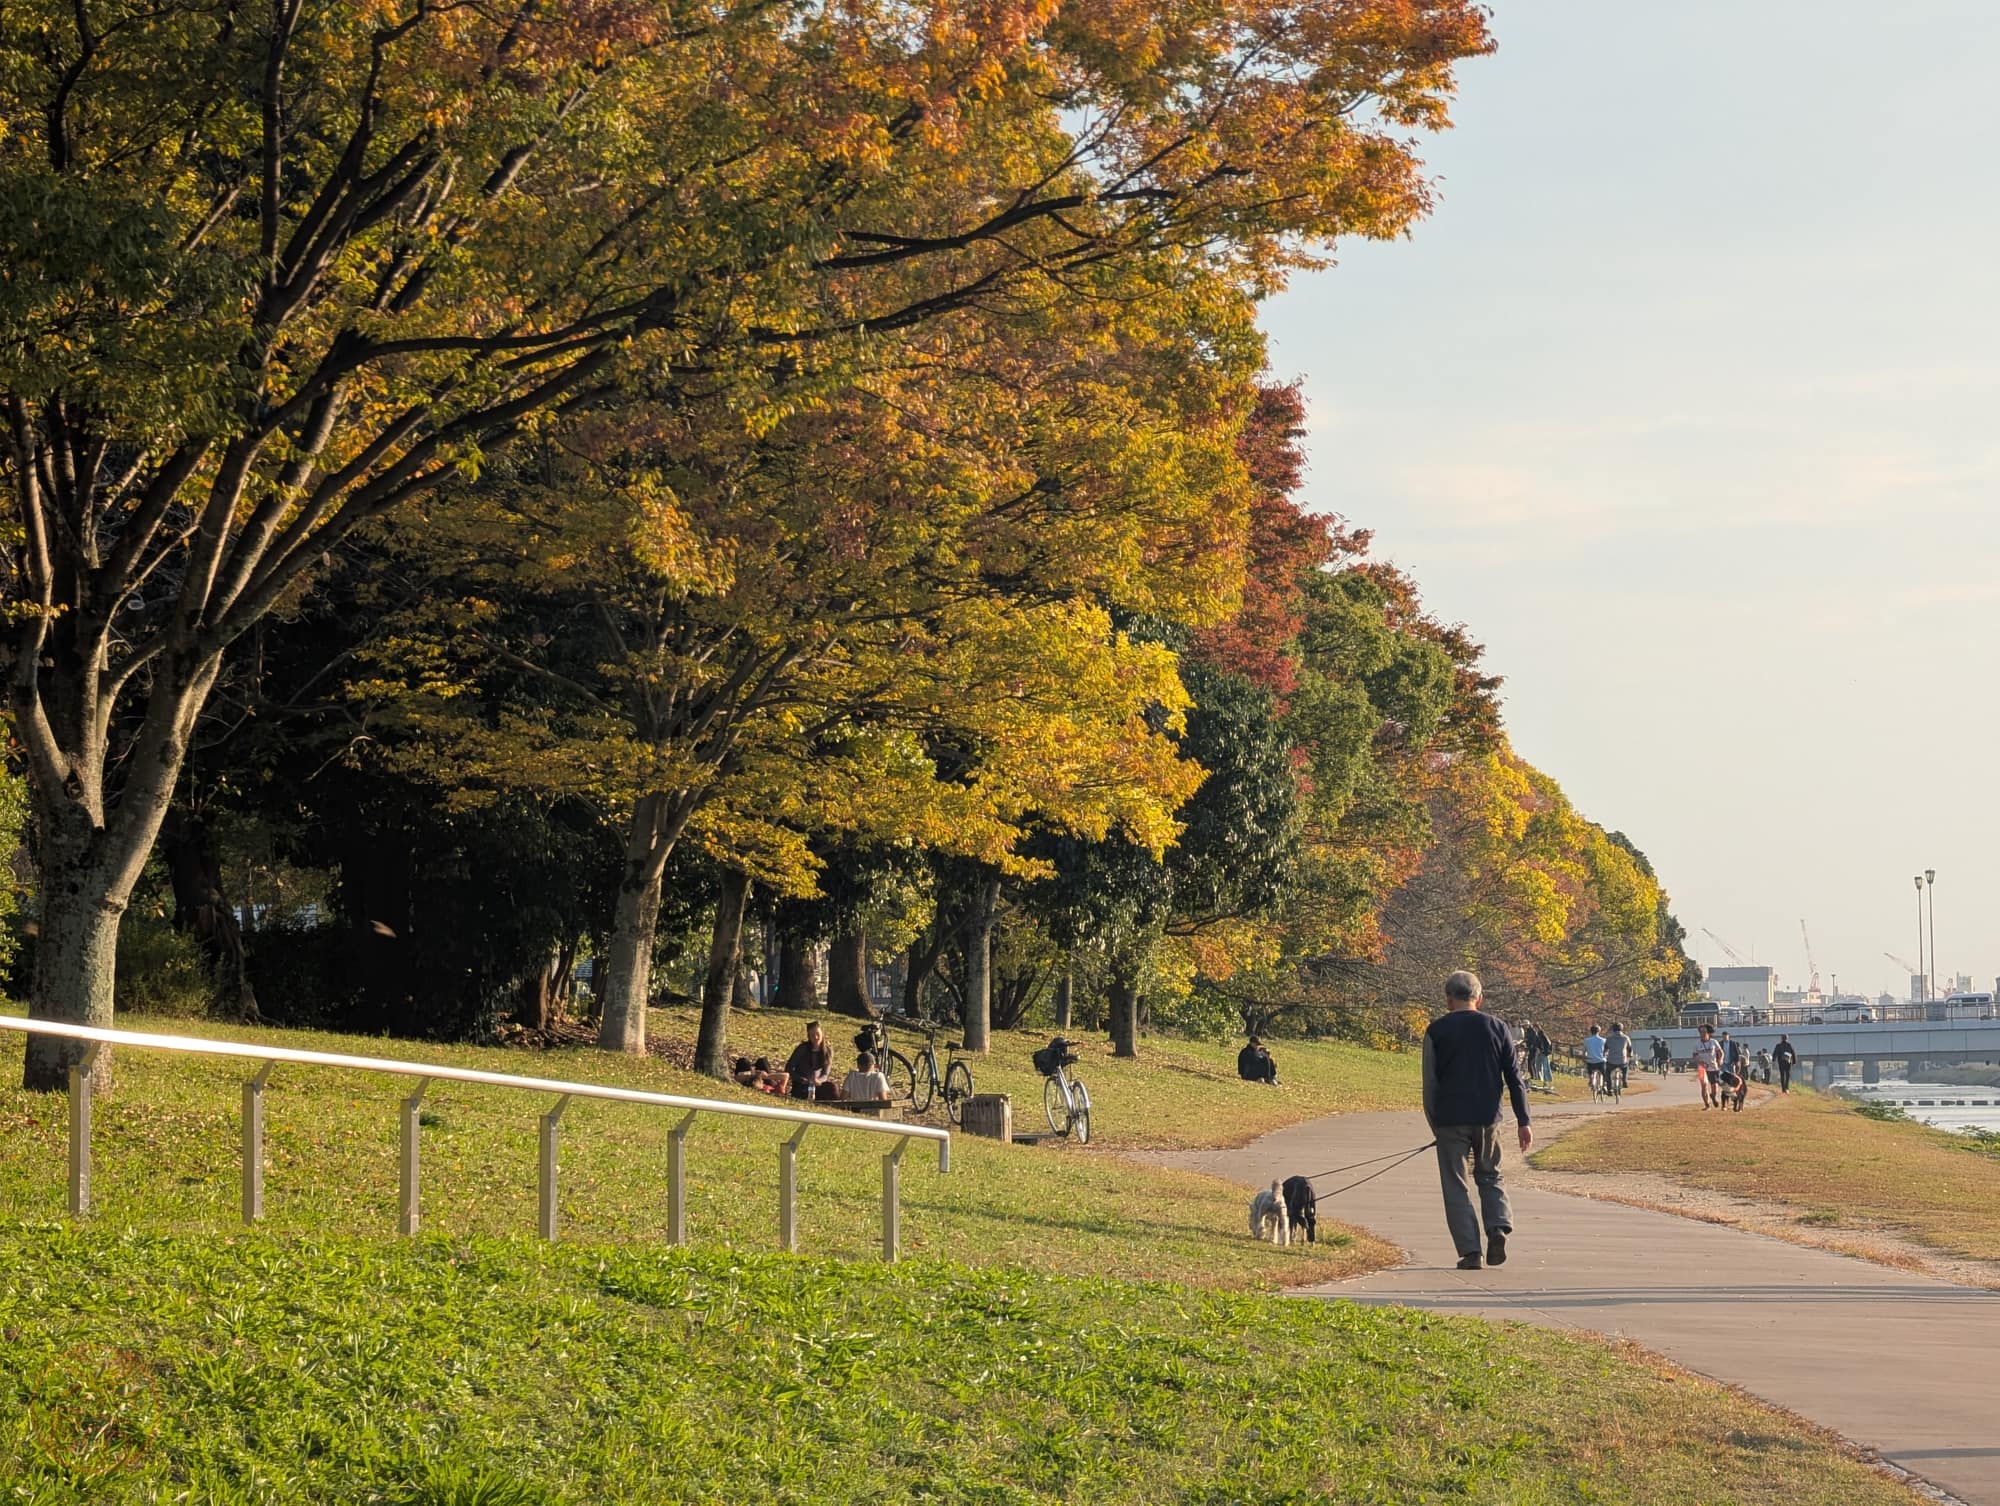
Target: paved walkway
1903 1364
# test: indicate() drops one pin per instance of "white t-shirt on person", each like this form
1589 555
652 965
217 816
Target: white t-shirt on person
864 1087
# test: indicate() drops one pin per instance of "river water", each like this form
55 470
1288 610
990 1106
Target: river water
1946 1105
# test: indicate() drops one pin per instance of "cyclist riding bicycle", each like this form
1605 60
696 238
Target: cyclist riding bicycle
1618 1056
1593 1057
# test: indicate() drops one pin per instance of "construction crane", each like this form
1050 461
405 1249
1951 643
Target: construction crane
1907 967
1734 955
1812 967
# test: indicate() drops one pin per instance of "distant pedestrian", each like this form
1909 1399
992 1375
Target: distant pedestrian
1545 1060
1662 1054
1732 1054
1707 1063
1468 1062
1787 1057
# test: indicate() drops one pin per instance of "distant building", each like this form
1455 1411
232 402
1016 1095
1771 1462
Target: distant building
1744 987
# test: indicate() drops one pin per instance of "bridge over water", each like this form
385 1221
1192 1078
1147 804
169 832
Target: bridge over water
1828 1051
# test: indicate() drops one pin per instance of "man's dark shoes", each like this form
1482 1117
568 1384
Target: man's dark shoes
1469 1262
1496 1249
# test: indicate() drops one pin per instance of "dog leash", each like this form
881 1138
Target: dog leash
1394 1155
1399 1157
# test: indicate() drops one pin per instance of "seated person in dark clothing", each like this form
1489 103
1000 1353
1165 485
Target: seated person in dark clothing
810 1066
745 1074
1254 1063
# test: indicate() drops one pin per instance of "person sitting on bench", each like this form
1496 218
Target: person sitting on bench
864 1084
1254 1063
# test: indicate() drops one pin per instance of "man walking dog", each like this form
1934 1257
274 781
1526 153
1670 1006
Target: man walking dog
1467 1061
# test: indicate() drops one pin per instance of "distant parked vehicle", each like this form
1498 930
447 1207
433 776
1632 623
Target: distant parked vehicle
1965 1007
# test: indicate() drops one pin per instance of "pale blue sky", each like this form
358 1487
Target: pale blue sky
1684 401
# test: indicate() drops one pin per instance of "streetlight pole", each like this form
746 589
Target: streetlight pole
1923 979
1930 887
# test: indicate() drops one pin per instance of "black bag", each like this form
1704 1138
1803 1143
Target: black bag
1054 1055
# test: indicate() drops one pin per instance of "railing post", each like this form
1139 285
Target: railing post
79 1130
788 1192
253 1144
549 1122
406 1201
944 1156
892 1207
677 1181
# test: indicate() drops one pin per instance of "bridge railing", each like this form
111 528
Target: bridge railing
425 1073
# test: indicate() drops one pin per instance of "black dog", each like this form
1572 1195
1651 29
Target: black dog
1301 1207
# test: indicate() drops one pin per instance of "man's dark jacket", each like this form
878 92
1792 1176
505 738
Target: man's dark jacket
1468 1060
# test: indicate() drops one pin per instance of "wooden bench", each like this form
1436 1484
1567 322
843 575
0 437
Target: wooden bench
873 1110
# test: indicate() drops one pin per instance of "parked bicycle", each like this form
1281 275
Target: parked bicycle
953 1084
919 1082
1065 1099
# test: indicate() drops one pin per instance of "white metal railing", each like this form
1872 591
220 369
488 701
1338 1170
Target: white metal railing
95 1039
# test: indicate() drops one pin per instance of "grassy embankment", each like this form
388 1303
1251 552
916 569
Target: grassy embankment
160 1352
1815 1154
166 1156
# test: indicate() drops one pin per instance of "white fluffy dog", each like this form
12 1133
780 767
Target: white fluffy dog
1268 1216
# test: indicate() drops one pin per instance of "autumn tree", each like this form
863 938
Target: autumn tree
274 274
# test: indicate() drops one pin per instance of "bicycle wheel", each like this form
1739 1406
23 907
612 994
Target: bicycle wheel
901 1079
1055 1105
923 1082
957 1089
1079 1114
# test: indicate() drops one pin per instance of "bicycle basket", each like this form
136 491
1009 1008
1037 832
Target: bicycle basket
1054 1055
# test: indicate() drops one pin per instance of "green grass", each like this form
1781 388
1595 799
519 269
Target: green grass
1032 1349
1813 1153
165 1151
490 1373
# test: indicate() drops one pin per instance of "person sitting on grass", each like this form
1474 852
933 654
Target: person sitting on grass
1254 1063
745 1075
809 1069
769 1078
864 1084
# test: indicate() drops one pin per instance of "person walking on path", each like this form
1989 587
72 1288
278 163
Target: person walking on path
1662 1054
1787 1057
1540 1050
1468 1061
1707 1062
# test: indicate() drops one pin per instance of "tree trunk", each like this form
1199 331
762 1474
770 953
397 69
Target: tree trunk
725 967
847 976
741 994
90 852
798 981
634 917
979 964
538 996
76 961
203 911
1065 992
1124 1015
